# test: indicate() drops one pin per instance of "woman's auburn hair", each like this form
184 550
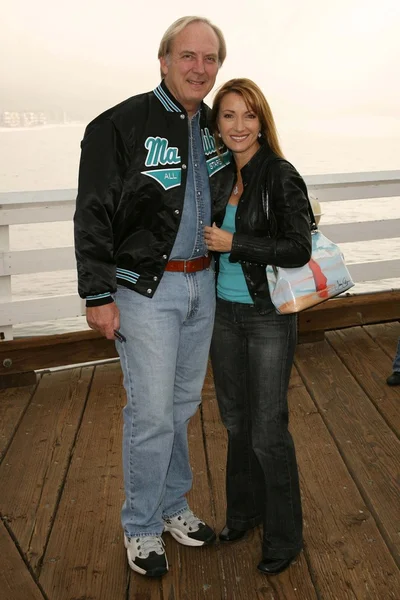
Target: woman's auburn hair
255 101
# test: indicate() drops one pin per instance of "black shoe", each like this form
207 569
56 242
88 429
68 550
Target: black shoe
273 566
231 535
394 378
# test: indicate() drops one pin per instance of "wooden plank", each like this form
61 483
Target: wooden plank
369 448
362 232
44 197
13 403
56 259
354 186
42 352
347 554
369 366
344 179
386 335
310 336
375 271
379 183
85 555
13 215
350 311
45 352
238 561
338 193
144 588
194 572
34 467
41 309
16 582
216 447
12 380
37 261
372 179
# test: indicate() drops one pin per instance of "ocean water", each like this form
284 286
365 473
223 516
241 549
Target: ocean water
48 158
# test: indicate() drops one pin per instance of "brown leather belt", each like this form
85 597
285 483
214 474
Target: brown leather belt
189 266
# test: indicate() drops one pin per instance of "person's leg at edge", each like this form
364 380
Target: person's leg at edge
394 378
396 361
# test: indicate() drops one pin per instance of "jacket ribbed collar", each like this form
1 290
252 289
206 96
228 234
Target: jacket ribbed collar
169 102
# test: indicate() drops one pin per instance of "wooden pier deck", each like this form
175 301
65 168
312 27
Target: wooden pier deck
61 486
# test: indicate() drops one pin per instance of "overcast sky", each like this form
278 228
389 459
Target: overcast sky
311 57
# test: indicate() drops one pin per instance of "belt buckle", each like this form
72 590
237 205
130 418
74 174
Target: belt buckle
184 266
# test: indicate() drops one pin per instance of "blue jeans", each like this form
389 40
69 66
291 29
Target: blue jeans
164 361
396 362
252 356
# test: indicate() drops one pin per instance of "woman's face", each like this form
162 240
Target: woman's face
239 127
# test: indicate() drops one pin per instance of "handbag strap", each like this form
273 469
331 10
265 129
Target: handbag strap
266 194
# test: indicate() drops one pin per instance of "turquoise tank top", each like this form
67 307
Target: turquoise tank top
231 284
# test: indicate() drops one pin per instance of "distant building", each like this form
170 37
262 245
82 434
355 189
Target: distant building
22 119
10 119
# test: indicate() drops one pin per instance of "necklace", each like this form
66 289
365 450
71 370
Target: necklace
236 190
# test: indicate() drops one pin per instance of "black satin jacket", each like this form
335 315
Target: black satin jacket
132 181
272 220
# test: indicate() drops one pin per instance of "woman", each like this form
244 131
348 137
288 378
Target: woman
266 222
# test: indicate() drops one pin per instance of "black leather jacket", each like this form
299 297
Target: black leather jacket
272 220
132 181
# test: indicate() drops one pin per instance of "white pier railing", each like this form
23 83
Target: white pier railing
18 208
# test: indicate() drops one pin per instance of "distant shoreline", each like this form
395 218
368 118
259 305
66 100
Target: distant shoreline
47 126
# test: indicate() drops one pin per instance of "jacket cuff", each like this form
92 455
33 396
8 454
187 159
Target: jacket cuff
99 299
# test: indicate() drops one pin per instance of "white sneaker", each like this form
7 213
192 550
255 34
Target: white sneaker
146 555
189 530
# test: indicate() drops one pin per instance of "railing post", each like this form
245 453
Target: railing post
6 331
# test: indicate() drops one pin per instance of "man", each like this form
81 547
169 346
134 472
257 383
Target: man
143 201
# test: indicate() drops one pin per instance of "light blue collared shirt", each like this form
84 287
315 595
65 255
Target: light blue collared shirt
196 214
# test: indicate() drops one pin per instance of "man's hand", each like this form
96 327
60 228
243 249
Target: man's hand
104 319
217 239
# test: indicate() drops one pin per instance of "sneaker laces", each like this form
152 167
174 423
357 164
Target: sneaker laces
149 543
190 520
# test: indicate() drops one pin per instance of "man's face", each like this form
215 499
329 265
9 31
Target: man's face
191 66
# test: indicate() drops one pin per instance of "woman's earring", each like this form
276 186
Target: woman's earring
259 134
219 135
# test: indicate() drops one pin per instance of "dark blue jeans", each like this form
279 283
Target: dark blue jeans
252 356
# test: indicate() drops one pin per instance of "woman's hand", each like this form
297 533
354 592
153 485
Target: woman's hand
218 240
